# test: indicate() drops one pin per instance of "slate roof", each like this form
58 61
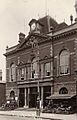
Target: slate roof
47 22
61 26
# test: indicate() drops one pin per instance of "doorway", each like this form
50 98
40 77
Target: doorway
46 93
21 97
33 97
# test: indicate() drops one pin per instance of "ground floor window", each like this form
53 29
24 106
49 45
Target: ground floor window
63 91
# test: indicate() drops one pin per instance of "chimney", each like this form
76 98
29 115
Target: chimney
71 19
21 37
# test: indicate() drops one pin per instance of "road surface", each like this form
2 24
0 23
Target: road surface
5 117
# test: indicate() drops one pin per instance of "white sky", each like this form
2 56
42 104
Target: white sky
16 14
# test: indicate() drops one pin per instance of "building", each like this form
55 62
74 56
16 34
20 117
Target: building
0 75
2 92
43 63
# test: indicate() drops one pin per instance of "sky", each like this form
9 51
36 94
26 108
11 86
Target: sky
16 14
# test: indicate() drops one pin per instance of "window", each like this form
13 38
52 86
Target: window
22 73
13 70
34 69
63 91
64 62
28 72
47 69
12 95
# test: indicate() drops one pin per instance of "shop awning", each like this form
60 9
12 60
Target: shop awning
61 96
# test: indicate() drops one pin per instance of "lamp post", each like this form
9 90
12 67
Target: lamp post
38 105
38 86
76 89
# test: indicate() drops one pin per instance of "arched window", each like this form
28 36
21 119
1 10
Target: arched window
34 69
64 62
63 91
12 94
13 72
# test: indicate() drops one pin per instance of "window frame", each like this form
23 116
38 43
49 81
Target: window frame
45 73
12 72
34 71
66 66
22 76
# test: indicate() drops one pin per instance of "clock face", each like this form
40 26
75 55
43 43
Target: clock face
33 26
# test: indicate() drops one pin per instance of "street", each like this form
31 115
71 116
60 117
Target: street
5 117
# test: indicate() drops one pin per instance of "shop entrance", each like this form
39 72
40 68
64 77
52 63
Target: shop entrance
21 97
33 97
46 93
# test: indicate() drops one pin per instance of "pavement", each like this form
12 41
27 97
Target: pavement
32 113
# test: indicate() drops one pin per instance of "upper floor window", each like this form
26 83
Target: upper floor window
47 69
34 69
13 71
64 62
22 73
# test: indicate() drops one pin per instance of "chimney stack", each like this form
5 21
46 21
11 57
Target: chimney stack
71 19
21 37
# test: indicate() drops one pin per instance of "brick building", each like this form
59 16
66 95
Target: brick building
44 63
2 89
2 92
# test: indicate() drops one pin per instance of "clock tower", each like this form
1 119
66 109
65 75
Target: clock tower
34 26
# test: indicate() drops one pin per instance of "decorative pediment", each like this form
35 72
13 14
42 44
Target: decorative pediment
31 41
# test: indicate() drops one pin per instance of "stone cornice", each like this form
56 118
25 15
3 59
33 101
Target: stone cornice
70 30
65 34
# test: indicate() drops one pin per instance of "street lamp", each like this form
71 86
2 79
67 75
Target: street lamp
38 86
38 98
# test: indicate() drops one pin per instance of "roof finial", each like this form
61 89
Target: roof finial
71 19
76 10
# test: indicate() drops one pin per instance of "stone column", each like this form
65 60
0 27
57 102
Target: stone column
28 96
42 97
52 91
25 99
18 97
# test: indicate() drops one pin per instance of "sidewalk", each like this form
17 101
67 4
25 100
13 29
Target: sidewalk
29 113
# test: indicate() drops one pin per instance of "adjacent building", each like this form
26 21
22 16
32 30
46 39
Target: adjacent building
2 90
0 75
43 63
